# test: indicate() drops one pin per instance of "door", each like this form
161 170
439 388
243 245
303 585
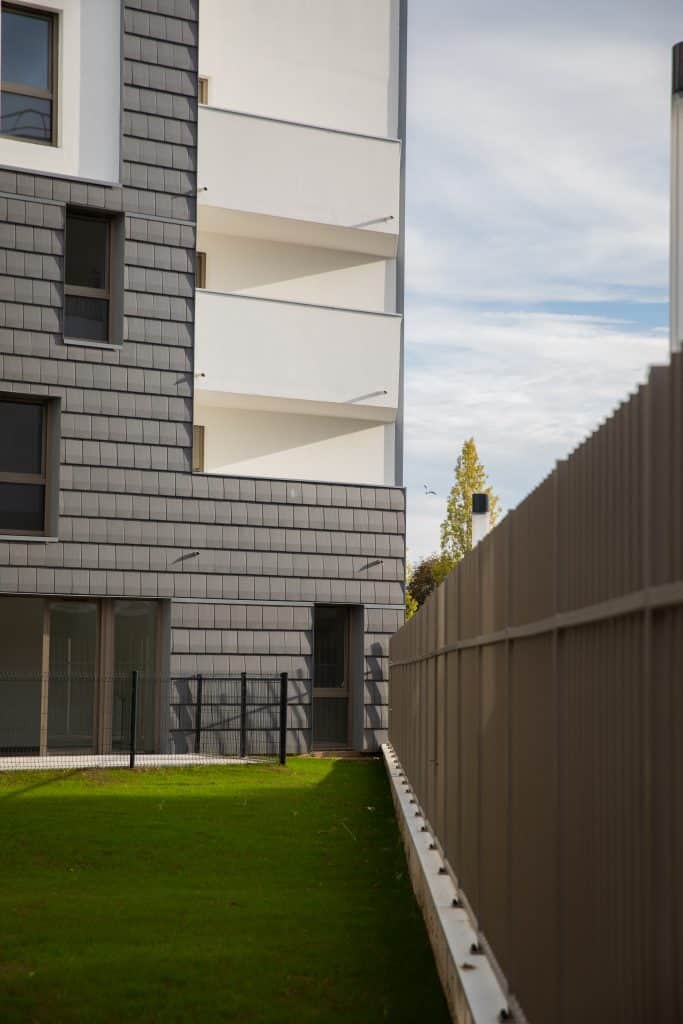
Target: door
21 672
136 637
331 684
72 675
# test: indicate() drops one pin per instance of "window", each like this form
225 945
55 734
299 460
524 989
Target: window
27 62
203 90
23 480
201 269
198 449
93 268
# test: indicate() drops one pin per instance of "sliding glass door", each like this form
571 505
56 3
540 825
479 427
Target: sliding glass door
72 675
135 648
21 653
65 674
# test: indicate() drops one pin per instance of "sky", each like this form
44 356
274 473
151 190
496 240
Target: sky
537 228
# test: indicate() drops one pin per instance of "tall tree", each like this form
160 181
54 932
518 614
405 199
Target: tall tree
470 478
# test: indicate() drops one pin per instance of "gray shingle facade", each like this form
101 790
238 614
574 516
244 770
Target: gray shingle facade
130 507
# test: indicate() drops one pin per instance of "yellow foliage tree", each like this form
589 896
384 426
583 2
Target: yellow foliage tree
470 478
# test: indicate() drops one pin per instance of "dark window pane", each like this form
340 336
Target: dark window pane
330 647
22 507
86 318
25 50
26 116
87 241
21 437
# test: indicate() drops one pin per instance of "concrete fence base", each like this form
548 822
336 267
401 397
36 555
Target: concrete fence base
472 990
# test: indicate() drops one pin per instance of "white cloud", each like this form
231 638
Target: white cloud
537 163
537 178
529 387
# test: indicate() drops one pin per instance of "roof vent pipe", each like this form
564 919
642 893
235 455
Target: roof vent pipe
481 517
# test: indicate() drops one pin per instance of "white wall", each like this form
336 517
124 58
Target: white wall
299 173
88 118
299 209
300 273
249 346
294 446
327 62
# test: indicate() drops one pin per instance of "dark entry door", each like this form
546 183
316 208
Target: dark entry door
331 691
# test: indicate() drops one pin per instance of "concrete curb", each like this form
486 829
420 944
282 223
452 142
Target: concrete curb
472 990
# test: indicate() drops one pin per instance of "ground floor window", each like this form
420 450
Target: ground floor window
65 674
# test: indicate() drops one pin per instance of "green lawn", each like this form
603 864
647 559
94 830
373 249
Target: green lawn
257 894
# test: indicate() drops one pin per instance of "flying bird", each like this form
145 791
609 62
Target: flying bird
427 491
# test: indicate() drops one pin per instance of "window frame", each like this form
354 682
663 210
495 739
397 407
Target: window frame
198 458
81 291
15 88
38 479
200 270
202 90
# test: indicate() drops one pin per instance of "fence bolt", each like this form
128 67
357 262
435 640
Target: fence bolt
443 870
455 902
432 846
476 950
133 716
504 1014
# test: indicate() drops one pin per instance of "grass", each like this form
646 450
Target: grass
255 894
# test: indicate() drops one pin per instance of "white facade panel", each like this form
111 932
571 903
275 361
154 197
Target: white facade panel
300 353
328 63
89 51
298 358
296 173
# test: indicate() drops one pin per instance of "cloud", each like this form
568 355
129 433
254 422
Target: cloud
538 163
538 159
528 386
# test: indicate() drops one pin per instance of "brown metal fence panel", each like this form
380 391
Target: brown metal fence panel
536 705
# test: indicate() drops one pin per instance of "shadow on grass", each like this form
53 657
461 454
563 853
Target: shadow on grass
52 779
251 894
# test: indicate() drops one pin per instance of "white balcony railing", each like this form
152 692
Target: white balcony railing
272 354
326 187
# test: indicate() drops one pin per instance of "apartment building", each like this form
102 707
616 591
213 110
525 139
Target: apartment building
201 282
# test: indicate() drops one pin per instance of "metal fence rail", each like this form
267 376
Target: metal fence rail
67 720
536 705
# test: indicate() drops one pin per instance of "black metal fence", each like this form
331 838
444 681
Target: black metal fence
243 717
71 720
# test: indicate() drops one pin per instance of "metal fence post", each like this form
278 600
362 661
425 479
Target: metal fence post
198 717
283 717
133 717
243 715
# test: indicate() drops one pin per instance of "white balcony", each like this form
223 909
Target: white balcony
264 353
291 182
